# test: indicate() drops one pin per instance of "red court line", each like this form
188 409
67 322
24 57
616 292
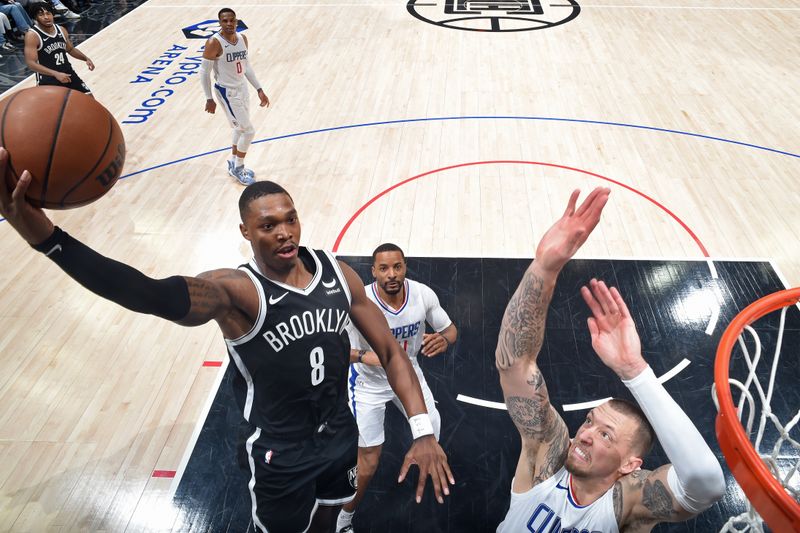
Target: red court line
515 162
212 363
164 473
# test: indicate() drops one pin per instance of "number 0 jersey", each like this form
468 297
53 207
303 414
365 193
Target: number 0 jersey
230 66
293 362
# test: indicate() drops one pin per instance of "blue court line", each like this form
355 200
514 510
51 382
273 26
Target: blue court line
473 117
481 117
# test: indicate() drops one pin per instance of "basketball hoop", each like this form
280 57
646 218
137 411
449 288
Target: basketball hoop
768 488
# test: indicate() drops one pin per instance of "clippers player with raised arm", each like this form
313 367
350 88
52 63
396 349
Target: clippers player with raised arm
594 482
225 54
46 48
283 317
407 306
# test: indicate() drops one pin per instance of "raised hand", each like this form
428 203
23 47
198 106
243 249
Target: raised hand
613 331
426 453
567 235
29 221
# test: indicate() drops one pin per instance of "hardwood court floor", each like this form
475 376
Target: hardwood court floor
690 105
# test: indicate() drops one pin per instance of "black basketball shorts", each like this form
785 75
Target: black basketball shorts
288 481
75 83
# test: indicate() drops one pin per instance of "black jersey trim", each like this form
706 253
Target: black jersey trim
342 280
262 311
311 284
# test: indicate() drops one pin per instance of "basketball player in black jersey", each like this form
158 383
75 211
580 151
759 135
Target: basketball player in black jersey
283 317
46 48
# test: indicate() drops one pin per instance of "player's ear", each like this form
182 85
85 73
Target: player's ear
244 231
631 464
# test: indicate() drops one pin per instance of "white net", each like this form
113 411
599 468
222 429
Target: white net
772 438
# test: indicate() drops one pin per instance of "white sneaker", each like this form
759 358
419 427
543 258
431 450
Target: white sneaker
70 15
240 173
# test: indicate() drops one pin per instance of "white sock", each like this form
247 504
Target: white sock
238 161
345 519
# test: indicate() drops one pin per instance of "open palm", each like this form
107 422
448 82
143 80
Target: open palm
568 234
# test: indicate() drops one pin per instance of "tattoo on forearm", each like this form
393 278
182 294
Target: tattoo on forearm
658 500
522 329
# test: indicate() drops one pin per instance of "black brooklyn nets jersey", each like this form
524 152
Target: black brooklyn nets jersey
293 362
53 51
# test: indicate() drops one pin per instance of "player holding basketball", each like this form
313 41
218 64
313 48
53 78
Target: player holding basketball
283 317
407 305
46 48
226 55
594 481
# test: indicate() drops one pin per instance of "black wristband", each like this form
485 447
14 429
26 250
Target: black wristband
49 245
361 354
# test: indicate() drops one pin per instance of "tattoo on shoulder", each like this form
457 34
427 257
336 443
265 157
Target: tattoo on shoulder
658 500
617 496
556 454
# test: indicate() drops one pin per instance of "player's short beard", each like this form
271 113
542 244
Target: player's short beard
394 291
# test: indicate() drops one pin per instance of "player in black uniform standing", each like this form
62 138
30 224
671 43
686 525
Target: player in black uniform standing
46 47
283 317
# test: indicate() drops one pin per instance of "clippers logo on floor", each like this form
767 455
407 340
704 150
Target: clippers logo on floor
207 28
494 15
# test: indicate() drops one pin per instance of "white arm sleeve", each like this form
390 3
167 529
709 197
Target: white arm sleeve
205 76
251 77
695 477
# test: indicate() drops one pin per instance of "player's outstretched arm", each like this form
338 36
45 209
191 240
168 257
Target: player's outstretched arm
544 435
187 301
694 480
425 452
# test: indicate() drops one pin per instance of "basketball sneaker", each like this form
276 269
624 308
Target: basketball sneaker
240 173
230 168
346 529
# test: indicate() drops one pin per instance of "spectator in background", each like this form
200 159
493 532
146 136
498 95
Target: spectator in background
16 12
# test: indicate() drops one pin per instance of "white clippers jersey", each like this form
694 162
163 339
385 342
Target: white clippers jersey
229 68
550 506
407 324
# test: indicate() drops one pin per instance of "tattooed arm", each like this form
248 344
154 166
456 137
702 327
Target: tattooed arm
544 434
694 480
643 498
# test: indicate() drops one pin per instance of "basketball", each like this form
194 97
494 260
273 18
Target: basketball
72 146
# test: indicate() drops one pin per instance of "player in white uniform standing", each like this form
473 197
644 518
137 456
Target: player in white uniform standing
594 483
407 305
225 54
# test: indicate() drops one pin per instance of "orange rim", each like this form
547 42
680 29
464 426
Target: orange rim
778 509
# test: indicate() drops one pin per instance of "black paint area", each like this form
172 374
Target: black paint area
671 302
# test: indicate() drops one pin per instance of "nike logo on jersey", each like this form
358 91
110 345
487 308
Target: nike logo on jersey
329 284
273 300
